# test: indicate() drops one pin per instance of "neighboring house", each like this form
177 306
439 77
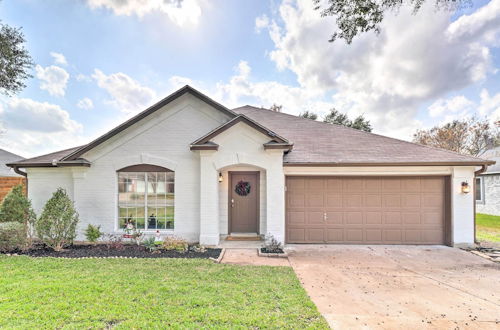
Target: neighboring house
488 185
9 178
191 167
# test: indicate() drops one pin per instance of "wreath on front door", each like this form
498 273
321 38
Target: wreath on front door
242 188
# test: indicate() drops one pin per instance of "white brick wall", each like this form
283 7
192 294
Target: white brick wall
161 139
491 189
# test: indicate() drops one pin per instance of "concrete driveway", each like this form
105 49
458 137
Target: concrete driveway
390 287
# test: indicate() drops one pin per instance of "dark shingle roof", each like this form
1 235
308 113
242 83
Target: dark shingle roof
320 143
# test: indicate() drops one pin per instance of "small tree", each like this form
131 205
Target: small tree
308 115
16 207
56 226
93 233
276 108
339 118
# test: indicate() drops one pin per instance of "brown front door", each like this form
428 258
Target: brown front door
243 202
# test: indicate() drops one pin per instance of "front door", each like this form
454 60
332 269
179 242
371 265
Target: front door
244 202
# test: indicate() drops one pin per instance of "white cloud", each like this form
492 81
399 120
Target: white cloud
85 104
59 58
242 90
261 22
127 94
30 115
389 76
180 12
53 79
33 128
177 82
490 105
82 77
457 104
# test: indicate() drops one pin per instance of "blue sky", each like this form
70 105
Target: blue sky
101 61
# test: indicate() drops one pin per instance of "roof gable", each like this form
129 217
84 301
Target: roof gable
186 89
277 141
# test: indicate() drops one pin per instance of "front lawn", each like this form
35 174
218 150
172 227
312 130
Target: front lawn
150 293
487 227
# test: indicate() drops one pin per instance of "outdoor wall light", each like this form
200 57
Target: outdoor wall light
221 178
465 187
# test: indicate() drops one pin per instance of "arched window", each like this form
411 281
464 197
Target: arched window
146 197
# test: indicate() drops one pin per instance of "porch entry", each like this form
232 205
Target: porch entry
244 202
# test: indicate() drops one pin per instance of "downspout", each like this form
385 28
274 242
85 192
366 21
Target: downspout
18 171
476 173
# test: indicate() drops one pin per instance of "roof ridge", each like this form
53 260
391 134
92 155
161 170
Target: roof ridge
360 131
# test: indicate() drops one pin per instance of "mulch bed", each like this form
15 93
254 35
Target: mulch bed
127 251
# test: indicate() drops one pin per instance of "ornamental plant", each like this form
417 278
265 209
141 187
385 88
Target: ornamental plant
93 233
16 207
56 226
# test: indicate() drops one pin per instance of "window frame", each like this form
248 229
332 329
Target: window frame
481 189
145 170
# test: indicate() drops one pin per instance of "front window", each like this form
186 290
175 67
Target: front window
479 190
146 197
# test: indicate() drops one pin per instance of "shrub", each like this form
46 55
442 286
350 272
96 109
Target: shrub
12 236
175 243
16 207
114 242
93 233
150 244
271 244
56 226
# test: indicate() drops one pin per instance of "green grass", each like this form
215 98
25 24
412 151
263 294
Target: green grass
488 227
150 293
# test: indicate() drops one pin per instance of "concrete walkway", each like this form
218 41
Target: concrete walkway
391 287
247 256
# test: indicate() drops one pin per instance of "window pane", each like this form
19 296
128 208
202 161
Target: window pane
140 223
478 189
132 190
161 223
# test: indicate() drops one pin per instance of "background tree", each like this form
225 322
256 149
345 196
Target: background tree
15 60
471 136
339 118
309 115
275 107
359 16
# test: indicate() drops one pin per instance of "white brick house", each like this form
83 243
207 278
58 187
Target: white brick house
191 167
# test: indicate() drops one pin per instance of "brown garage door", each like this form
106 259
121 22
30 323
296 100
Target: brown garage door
365 210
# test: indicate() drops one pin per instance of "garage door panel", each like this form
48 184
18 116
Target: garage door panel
391 200
411 200
373 235
353 218
316 235
296 200
372 210
334 217
333 200
314 217
352 200
391 185
334 185
373 217
296 217
373 200
335 235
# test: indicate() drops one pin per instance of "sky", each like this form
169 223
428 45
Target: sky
99 62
